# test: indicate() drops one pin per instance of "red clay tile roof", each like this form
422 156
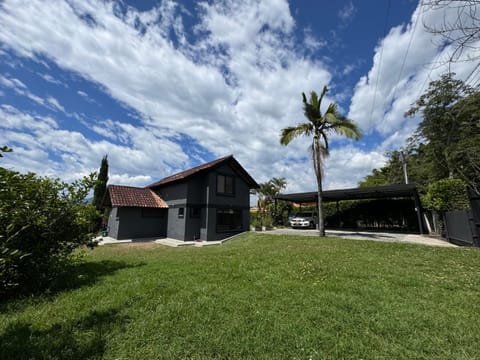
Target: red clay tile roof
187 173
121 196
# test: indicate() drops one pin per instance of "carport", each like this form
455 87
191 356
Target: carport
363 193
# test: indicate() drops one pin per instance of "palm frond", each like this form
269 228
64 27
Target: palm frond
347 128
332 109
342 125
291 132
311 107
324 91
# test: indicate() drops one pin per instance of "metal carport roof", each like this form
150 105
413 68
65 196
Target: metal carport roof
377 192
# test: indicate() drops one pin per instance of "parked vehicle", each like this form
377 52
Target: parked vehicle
304 220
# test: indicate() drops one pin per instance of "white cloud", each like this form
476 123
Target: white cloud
55 104
311 42
231 103
404 61
230 90
347 12
49 78
21 89
37 141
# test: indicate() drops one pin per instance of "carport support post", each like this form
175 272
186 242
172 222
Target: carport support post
418 210
275 212
337 215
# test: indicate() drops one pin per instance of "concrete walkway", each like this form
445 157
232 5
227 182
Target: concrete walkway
106 240
366 235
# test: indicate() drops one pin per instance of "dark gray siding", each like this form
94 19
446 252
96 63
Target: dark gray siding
133 223
200 191
241 197
197 198
175 196
240 201
113 223
176 225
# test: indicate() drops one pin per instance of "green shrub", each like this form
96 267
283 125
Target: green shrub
446 195
42 221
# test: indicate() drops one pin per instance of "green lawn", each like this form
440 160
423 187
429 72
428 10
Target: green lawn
257 297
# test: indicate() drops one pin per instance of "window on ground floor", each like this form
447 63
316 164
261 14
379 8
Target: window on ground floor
229 220
195 212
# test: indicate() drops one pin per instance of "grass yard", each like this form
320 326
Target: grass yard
257 297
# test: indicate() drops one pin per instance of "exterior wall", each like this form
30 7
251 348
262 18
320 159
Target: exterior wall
239 201
201 191
176 225
197 198
113 223
175 196
130 223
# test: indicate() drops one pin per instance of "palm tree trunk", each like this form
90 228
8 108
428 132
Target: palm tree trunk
321 223
317 164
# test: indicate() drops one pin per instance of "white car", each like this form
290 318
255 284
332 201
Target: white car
304 220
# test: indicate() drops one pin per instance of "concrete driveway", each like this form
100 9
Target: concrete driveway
366 235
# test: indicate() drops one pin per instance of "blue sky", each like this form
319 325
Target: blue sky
161 86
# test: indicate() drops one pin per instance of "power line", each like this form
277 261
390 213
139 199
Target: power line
379 63
408 49
471 73
428 75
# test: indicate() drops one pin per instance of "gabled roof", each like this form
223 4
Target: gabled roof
129 196
208 166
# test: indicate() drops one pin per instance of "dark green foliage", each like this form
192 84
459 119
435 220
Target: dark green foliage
267 214
391 173
382 214
447 195
42 221
4 149
446 143
443 117
101 185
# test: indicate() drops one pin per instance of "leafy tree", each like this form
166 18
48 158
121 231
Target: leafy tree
440 124
101 185
42 221
320 125
464 154
447 195
266 193
390 173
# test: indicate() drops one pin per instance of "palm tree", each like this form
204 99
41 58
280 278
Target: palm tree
320 126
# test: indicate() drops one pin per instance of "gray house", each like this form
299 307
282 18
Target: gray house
208 202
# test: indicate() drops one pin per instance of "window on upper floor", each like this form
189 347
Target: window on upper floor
225 184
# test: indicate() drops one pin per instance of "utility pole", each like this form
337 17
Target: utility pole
403 158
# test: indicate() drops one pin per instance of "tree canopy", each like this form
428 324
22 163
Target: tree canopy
446 144
101 185
42 221
320 126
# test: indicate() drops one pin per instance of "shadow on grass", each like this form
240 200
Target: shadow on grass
87 273
82 338
73 276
